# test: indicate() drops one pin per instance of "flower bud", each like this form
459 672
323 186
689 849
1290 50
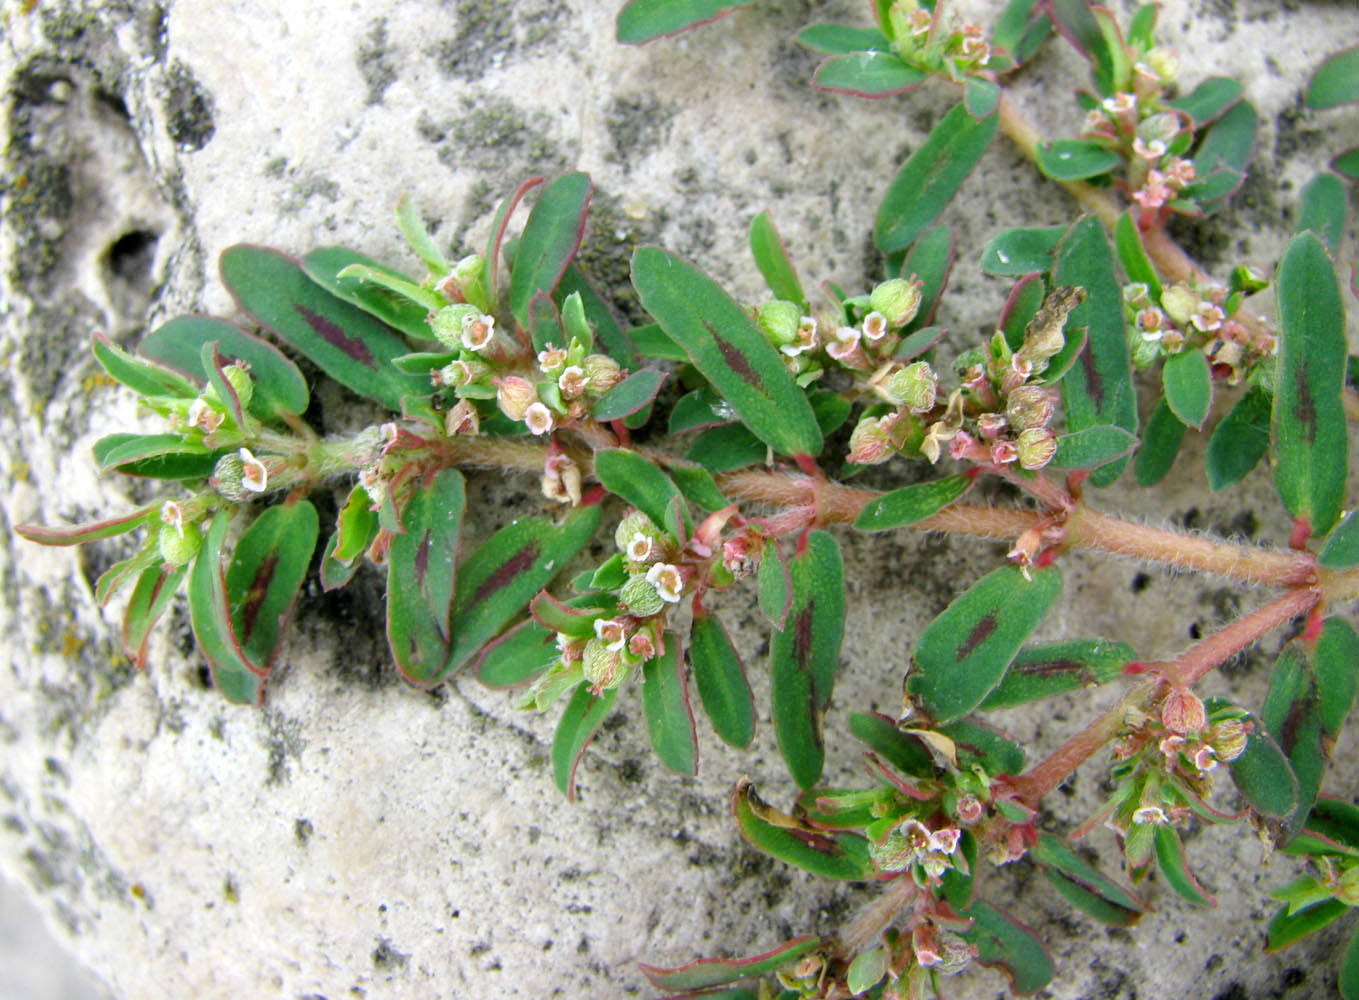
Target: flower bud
916 385
1036 447
514 395
602 666
1228 739
897 299
179 545
447 323
1180 302
869 443
241 384
1163 62
636 523
779 319
1029 406
228 477
1183 712
462 419
602 373
639 596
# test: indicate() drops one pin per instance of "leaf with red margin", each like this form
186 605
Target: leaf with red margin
210 616
642 21
843 856
867 74
669 716
706 973
721 680
356 526
139 375
265 576
550 239
155 589
498 226
1083 885
1004 942
345 342
1055 668
583 716
930 259
628 396
498 581
771 257
803 656
1170 858
79 534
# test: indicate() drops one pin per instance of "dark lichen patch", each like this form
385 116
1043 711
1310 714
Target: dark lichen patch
284 742
302 831
1296 131
638 124
376 65
350 624
605 254
488 31
188 109
302 189
493 135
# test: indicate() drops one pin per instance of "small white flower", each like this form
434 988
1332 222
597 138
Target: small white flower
256 476
539 418
572 382
478 330
844 343
875 327
203 416
1151 814
667 580
173 514
639 547
610 632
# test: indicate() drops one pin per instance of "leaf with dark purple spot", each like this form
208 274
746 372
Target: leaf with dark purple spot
723 343
498 581
1058 668
345 342
842 856
1098 389
803 656
1308 427
550 239
265 576
963 654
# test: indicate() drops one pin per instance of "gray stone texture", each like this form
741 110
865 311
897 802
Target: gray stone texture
358 837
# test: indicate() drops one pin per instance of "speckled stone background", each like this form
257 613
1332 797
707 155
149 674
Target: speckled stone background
361 838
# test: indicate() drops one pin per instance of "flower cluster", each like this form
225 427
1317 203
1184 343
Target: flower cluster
920 39
1186 317
1000 414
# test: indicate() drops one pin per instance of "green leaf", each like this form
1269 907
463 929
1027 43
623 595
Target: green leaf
707 973
867 74
1324 203
1336 80
1078 25
1335 820
1058 668
630 395
1285 930
930 261
1160 444
1336 660
979 745
1026 298
498 580
774 588
841 856
265 577
609 336
210 616
1228 144
413 229
721 680
1292 714
518 656
1084 886
584 714
155 589
1093 447
79 534
1342 545
1308 426
867 970
1021 251
723 449
1346 164
1170 858
324 265
653 342
698 487
1188 386
421 577
700 408
724 344
218 384
931 177
1240 440
669 719
1264 777
981 96
803 656
1209 100
142 377
342 340
904 752
1003 941
771 257
1075 159
1136 265
643 21
910 504
1349 969
637 480
121 573
550 239
963 654
497 238
355 528
842 39
155 456
279 385
1098 389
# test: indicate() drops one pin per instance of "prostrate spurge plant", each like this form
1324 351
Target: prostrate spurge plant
519 364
